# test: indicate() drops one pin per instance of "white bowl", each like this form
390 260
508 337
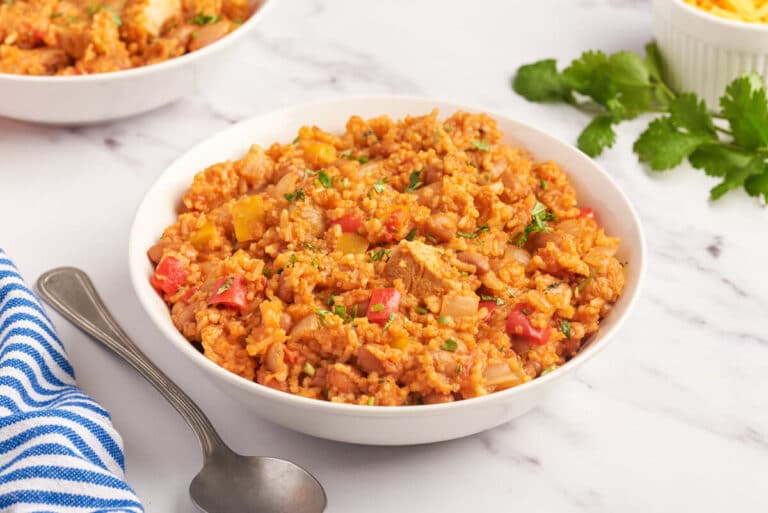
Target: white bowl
86 99
364 424
703 52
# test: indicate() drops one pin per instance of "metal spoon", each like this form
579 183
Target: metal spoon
228 482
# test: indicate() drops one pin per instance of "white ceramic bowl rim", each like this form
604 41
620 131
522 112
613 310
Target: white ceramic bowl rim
138 278
719 20
187 58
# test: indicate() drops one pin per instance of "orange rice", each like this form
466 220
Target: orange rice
77 37
272 264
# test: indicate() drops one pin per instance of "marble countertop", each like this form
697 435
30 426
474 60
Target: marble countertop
672 417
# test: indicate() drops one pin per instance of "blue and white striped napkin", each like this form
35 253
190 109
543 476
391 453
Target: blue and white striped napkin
58 449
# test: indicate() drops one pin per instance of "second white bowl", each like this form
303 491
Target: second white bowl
399 425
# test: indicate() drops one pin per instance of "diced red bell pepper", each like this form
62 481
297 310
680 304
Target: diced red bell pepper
384 302
349 223
191 292
231 292
518 325
169 275
490 306
395 222
586 212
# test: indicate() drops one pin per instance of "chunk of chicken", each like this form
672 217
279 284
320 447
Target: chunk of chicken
422 268
144 19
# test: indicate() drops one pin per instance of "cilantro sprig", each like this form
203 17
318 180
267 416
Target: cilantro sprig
731 144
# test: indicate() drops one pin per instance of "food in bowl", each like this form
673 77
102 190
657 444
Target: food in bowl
740 10
403 262
78 37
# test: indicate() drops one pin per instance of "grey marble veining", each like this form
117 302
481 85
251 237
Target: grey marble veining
672 417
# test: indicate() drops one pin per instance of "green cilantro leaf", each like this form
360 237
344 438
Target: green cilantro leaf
690 113
746 108
449 345
757 185
738 177
597 136
717 160
298 194
325 180
663 146
414 181
481 145
205 19
541 82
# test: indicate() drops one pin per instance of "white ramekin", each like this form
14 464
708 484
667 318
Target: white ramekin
703 52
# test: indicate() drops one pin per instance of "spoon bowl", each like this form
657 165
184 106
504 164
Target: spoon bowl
228 482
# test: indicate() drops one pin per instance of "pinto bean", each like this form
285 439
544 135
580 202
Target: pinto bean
441 226
437 398
284 290
155 253
479 261
208 34
342 381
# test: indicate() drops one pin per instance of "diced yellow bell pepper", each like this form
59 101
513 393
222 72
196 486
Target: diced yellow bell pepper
201 238
352 243
247 215
399 342
319 154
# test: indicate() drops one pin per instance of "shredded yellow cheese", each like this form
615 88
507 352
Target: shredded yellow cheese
754 11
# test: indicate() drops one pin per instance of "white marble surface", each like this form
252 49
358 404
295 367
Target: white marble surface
673 417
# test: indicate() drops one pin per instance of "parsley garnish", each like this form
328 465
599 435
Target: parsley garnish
313 262
309 369
481 145
459 368
371 401
431 238
496 300
442 319
329 301
309 245
389 322
414 181
421 310
411 235
325 180
379 255
92 9
205 19
267 271
480 230
543 184
565 327
298 194
225 286
449 345
322 313
625 85
553 286
539 217
295 140
378 307
380 185
341 311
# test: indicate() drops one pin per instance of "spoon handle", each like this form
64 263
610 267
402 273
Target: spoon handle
71 293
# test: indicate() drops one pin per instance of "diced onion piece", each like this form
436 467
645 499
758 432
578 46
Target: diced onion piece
306 325
500 375
459 306
518 254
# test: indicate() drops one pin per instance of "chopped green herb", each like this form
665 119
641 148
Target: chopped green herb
313 262
431 238
378 307
382 380
553 286
442 320
389 322
539 218
380 185
585 281
549 369
379 255
543 184
309 369
295 140
353 313
362 159
92 9
205 19
325 179
72 19
414 181
225 286
421 310
371 401
565 327
480 230
449 345
267 271
309 172
341 311
298 194
481 145
194 35
293 258
496 300
369 133
411 235
322 313
345 183
309 245
347 154
459 368
329 301
436 137
464 274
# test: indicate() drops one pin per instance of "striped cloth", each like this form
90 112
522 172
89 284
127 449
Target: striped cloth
58 449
